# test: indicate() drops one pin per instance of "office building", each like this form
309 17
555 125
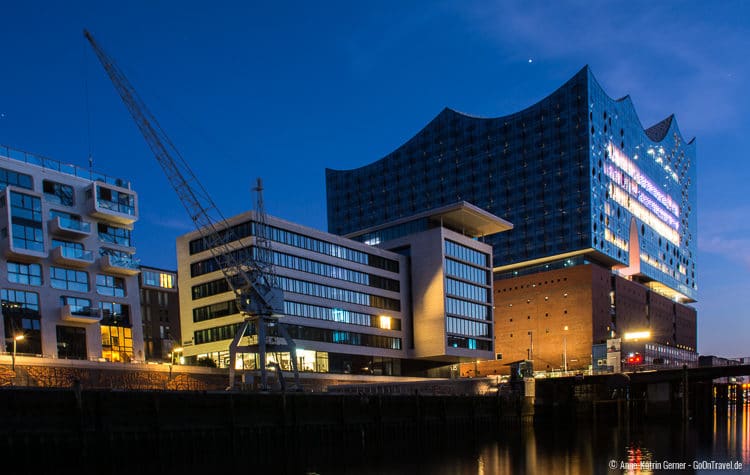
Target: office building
584 185
160 311
349 306
69 281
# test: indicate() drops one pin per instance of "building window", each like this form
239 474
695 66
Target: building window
116 314
58 193
158 279
71 342
27 274
110 285
21 316
9 177
113 234
69 279
78 306
115 200
467 254
26 220
117 343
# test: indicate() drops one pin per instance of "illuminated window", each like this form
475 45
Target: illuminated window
385 322
166 281
117 344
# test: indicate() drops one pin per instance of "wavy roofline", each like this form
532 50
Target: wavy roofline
652 133
673 127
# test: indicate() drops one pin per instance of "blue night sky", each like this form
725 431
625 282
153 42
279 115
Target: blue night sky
282 90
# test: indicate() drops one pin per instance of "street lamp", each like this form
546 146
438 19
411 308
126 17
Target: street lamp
16 339
176 350
565 349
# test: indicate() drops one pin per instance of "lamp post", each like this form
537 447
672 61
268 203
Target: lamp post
565 349
16 339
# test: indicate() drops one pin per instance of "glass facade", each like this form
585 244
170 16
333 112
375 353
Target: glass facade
297 286
301 241
298 332
336 294
468 302
574 172
281 259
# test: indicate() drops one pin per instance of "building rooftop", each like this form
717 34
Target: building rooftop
462 216
66 168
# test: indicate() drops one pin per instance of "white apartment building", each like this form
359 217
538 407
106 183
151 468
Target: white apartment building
68 275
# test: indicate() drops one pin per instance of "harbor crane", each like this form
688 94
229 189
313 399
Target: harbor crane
248 271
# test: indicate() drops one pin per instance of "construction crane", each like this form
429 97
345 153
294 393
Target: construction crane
251 277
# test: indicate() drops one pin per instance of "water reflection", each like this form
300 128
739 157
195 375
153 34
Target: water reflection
580 448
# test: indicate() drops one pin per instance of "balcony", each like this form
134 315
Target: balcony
119 265
70 228
116 205
72 257
78 314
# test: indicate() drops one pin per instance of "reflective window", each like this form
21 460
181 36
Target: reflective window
467 309
114 313
21 316
306 288
69 279
272 233
467 291
26 222
467 272
9 177
464 253
114 234
217 310
467 327
110 285
469 343
298 332
22 273
115 200
58 193
289 261
78 306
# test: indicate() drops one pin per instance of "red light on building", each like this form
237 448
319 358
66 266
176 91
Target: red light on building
635 358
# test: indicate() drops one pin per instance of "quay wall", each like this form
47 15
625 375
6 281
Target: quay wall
61 430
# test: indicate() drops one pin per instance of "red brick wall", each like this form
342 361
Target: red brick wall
579 297
543 304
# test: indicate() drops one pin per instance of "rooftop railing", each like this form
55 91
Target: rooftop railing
67 168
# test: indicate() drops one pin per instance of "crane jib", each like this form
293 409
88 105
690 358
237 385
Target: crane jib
258 296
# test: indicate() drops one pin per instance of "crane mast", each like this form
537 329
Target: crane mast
252 279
